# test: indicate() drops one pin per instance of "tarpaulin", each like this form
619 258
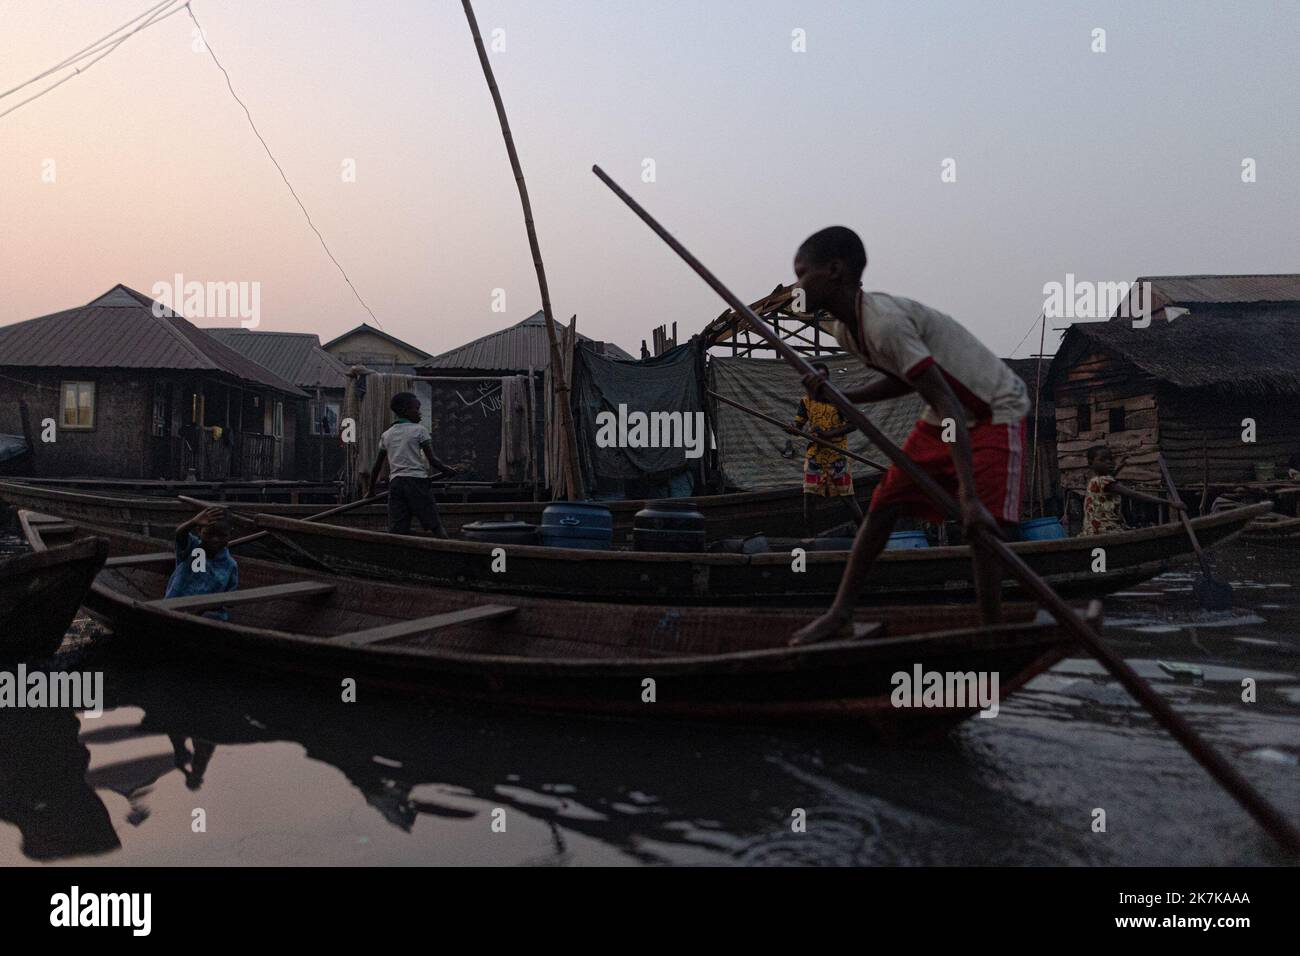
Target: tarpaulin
669 383
754 455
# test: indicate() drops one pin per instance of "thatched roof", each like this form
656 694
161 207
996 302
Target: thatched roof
1212 289
1249 350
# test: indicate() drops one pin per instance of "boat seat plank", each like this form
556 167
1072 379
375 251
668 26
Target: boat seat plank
423 625
38 518
132 560
867 630
200 602
55 527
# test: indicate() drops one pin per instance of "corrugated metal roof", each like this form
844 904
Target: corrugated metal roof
120 330
296 357
517 348
366 327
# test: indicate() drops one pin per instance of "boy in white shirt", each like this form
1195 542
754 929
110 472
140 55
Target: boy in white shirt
407 447
970 394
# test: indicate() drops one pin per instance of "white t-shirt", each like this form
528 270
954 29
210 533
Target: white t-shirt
402 442
903 338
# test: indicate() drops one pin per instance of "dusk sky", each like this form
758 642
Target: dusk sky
1106 165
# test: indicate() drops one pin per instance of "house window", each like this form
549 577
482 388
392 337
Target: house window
1117 419
78 405
277 420
1085 418
324 417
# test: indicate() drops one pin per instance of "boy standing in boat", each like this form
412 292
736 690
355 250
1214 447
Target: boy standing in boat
826 472
407 447
970 439
1101 498
204 564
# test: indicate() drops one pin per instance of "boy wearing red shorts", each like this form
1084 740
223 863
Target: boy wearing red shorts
970 439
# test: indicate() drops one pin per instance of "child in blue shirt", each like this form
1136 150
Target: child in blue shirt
220 572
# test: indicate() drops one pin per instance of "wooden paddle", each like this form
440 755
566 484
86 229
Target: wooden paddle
1268 816
1213 593
257 536
794 431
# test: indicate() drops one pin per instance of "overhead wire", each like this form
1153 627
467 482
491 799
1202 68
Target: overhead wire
157 18
324 245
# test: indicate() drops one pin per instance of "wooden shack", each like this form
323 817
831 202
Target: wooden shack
298 358
1219 354
123 387
375 349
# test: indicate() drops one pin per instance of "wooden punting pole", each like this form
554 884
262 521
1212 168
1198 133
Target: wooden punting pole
791 430
572 473
1268 816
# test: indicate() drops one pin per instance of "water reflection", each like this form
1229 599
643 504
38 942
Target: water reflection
44 790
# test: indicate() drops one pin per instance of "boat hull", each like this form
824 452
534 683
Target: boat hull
777 513
762 579
40 594
585 657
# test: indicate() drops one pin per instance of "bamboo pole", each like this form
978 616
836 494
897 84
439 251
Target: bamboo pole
573 474
1038 393
1231 779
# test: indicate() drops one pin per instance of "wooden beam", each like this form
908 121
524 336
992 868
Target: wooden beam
423 625
274 592
135 560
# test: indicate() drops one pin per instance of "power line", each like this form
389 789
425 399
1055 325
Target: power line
1033 325
292 191
157 17
85 51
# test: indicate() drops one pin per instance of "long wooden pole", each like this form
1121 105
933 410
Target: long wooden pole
1268 816
791 430
573 474
1038 393
259 535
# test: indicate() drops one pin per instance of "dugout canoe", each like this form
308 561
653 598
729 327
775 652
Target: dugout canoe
924 574
587 657
40 593
778 512
1274 530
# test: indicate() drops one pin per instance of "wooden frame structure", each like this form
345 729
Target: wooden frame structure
800 331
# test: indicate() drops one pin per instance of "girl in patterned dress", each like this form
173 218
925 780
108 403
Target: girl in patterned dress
1101 499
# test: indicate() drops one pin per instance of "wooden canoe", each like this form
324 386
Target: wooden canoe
777 513
586 657
41 592
640 577
1274 531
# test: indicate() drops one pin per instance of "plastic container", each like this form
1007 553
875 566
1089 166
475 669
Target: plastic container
673 525
1042 529
906 540
501 532
577 524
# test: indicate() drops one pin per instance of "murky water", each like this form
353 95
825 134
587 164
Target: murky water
283 776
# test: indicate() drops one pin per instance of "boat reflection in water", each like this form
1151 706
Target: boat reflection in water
44 789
